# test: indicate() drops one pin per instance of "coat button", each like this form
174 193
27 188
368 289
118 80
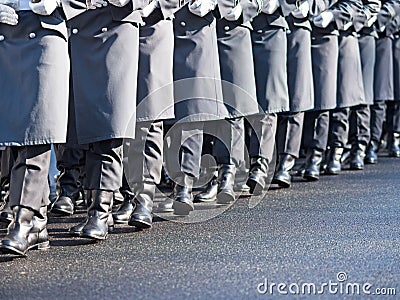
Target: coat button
104 29
226 28
74 31
183 24
259 31
288 31
32 35
1 38
144 24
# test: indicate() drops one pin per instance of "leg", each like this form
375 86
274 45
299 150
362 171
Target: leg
104 176
145 157
378 111
28 175
262 145
229 153
339 128
70 162
315 136
359 135
288 138
183 159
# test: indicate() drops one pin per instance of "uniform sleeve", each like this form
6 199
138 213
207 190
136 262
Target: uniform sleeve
387 14
318 6
169 7
346 12
251 8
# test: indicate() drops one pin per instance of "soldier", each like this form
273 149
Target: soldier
104 38
350 89
300 84
383 75
239 92
269 53
324 51
33 36
155 103
359 123
198 97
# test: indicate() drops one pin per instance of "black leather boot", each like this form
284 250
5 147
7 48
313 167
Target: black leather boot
99 211
66 201
77 229
226 182
70 187
357 155
285 165
143 201
258 175
313 164
16 240
183 198
6 214
334 161
123 214
38 236
371 156
210 193
394 148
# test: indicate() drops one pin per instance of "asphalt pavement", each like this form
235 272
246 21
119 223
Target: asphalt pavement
325 239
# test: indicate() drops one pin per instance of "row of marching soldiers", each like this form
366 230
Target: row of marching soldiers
103 80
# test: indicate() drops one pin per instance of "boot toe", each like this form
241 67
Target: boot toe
141 221
11 247
63 206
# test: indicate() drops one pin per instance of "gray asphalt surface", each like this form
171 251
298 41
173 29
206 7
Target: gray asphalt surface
307 234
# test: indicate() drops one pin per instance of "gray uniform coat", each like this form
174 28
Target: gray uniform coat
104 56
269 54
396 66
324 53
34 74
366 43
350 87
386 25
197 79
155 97
299 65
236 59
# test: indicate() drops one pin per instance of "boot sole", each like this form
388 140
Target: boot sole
79 233
62 212
11 250
181 208
139 224
225 198
356 168
40 246
117 221
371 161
198 199
311 177
93 236
281 182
